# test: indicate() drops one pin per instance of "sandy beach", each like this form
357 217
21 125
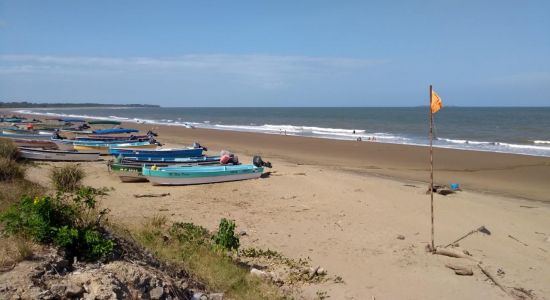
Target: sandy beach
343 204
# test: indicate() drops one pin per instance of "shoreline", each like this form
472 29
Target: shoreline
507 147
512 175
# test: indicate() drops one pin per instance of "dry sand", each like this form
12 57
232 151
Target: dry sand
343 204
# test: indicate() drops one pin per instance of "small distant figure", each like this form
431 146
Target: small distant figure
359 139
285 131
354 131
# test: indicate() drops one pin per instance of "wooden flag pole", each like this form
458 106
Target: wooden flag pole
431 169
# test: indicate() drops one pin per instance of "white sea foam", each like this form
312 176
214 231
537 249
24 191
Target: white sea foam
541 142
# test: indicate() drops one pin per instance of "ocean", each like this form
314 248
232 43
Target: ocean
520 130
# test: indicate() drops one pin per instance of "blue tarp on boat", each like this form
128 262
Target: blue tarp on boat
163 153
115 130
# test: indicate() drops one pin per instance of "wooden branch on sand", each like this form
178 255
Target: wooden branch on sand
151 195
492 278
515 239
459 254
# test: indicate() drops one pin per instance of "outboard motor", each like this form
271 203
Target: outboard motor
197 145
228 158
258 162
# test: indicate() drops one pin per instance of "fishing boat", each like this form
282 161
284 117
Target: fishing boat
72 120
132 172
18 131
29 143
13 120
200 174
88 142
57 155
103 148
25 136
162 162
128 173
92 137
46 132
115 131
104 122
159 153
75 130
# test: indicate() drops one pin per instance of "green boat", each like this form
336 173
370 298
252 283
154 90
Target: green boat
128 173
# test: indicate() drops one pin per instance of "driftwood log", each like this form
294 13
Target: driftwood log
151 195
453 253
459 254
460 269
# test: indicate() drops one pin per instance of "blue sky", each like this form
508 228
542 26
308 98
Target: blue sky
276 53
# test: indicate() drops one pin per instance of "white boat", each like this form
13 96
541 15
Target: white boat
58 155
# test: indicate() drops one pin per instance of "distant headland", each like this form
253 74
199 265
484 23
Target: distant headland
25 104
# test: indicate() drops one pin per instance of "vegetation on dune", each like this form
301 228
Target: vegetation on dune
8 149
10 170
67 178
69 221
225 238
206 257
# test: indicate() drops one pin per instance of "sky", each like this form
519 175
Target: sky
276 53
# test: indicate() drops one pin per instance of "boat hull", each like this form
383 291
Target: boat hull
161 153
104 149
52 155
25 136
200 180
35 143
201 175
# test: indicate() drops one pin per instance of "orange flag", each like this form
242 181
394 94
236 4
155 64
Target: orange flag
436 103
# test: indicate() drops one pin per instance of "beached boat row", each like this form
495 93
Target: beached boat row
137 158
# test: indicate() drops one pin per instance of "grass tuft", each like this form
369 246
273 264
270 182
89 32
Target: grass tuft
8 149
14 249
190 247
10 170
67 178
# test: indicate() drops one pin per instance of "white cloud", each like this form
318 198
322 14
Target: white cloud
268 71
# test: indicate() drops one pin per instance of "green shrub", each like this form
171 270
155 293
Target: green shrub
8 149
225 238
95 246
189 233
67 178
67 221
10 170
66 236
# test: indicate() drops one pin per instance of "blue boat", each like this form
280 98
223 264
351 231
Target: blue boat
115 130
160 153
95 142
162 161
72 120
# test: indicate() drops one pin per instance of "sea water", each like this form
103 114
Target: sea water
524 130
